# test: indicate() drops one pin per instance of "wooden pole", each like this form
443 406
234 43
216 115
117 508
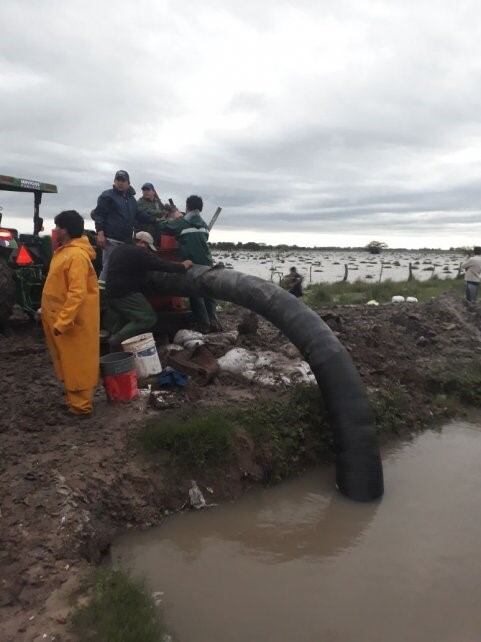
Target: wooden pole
214 218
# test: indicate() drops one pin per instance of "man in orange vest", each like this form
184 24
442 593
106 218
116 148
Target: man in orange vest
70 313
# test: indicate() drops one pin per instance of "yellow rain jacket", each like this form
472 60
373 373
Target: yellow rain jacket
70 304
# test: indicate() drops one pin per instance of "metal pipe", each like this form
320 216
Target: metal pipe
359 472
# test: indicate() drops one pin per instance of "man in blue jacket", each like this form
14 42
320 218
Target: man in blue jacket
115 217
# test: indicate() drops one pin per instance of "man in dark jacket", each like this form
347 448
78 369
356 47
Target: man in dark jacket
293 282
115 217
192 233
129 312
150 202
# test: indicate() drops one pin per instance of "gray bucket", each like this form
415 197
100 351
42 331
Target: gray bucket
116 363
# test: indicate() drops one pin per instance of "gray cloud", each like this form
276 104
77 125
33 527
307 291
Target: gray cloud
323 119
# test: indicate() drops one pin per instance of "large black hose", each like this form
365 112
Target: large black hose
358 463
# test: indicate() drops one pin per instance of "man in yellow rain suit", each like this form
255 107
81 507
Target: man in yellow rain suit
70 313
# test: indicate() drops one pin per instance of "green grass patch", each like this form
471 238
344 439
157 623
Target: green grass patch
390 407
289 428
121 610
461 381
194 442
448 387
319 294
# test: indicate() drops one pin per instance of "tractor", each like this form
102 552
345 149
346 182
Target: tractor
24 258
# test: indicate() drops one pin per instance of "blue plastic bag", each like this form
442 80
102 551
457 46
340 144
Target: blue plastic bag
170 378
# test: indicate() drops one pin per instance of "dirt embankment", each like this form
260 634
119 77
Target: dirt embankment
69 484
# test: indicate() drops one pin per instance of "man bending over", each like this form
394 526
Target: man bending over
128 311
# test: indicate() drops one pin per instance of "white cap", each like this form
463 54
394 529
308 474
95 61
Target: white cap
146 238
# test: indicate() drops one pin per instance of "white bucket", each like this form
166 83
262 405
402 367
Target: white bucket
143 348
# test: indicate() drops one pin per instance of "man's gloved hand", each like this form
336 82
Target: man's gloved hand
187 264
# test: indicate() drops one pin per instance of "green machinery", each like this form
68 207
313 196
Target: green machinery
24 258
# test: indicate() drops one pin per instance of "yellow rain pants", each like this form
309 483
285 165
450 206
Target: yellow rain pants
71 320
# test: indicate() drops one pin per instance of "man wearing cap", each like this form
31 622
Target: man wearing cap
116 215
129 312
192 234
150 202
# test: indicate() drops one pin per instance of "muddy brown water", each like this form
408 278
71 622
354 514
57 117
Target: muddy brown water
300 563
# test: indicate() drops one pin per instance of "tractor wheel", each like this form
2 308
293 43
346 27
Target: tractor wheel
7 292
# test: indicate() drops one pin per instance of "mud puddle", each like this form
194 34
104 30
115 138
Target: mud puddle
299 562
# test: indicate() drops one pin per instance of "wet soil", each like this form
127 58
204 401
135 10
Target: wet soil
70 484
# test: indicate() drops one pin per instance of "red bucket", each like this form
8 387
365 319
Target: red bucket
121 387
119 376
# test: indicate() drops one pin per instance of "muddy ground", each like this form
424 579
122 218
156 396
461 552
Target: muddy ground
69 484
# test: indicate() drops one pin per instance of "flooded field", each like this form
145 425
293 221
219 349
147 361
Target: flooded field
298 562
330 266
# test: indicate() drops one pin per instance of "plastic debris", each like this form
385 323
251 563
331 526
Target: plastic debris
264 360
196 497
143 398
266 368
266 380
237 361
163 399
173 347
306 373
145 392
182 336
193 343
157 597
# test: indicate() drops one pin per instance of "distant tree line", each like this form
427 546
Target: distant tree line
251 246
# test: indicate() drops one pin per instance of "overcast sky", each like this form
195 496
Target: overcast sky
310 122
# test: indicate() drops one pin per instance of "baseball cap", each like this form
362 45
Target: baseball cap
148 186
146 238
122 175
